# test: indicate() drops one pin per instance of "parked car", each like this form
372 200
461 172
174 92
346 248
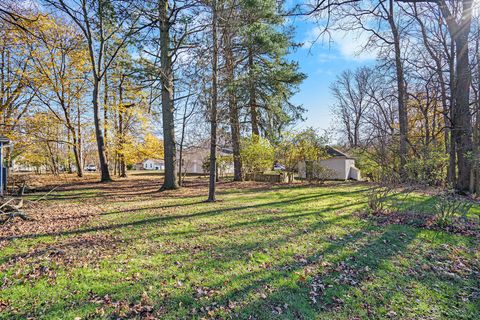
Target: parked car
91 168
278 167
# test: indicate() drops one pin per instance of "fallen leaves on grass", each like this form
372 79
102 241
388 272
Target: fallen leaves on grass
466 227
123 309
49 218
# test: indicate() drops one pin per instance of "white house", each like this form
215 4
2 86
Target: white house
153 164
341 165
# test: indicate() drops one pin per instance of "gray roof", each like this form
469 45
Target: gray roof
335 152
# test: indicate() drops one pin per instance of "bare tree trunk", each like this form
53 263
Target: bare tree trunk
213 120
462 116
105 104
54 165
168 117
99 134
452 163
233 107
252 93
78 146
402 110
122 170
182 138
477 123
121 110
73 134
69 151
477 150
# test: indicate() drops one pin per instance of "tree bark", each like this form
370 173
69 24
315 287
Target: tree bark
122 170
233 107
252 93
452 160
99 134
462 126
213 120
168 117
78 146
105 105
402 110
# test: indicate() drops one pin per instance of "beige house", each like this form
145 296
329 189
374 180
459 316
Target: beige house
339 164
194 157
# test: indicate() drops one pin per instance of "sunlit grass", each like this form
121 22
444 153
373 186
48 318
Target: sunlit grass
256 252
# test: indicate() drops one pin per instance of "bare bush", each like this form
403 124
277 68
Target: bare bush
448 206
320 173
389 194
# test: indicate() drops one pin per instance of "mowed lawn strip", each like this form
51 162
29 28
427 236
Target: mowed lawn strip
264 251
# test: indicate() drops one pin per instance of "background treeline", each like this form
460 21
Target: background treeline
106 77
416 111
101 76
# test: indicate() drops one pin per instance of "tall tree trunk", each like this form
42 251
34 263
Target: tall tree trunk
121 112
462 116
180 152
168 117
476 128
105 105
72 134
233 107
452 160
213 120
401 98
79 143
99 134
77 159
252 94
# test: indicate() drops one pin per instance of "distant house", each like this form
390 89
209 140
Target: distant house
340 164
151 164
193 158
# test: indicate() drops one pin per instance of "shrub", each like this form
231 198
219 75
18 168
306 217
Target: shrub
430 168
449 205
389 194
320 173
223 162
257 154
306 145
377 199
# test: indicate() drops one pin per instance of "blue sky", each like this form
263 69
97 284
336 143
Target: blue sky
322 61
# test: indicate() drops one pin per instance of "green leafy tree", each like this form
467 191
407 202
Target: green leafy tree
306 145
270 79
257 155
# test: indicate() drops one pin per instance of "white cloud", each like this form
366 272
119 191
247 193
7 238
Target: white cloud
350 44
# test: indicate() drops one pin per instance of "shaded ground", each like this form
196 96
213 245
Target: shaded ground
123 250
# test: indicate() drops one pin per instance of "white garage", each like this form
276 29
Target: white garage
340 164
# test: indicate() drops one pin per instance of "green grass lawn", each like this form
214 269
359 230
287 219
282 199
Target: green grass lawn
125 251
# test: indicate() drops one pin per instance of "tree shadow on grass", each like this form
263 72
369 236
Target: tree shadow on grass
294 300
233 251
342 286
230 254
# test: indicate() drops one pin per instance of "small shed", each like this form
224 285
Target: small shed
341 165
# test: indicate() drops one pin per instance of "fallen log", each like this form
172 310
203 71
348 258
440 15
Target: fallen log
8 211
